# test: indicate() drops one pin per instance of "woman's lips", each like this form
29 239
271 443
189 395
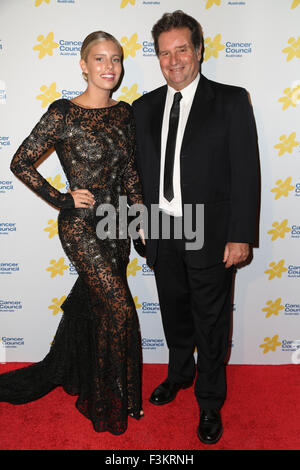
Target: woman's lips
108 76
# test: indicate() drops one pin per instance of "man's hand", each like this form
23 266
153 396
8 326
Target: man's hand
235 253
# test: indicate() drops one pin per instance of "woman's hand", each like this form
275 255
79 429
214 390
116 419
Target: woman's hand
82 198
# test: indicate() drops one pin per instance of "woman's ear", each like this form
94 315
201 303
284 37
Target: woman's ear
83 65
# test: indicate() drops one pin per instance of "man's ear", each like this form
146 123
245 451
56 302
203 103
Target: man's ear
199 52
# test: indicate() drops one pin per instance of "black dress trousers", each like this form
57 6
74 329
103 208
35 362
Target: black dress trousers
196 312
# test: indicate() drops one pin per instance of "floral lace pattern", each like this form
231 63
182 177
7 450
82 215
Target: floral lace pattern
96 352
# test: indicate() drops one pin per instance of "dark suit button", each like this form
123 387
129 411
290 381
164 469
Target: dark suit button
183 156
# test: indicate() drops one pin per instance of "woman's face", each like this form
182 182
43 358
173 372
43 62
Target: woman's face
103 65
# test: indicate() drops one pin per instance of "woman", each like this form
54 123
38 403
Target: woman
96 352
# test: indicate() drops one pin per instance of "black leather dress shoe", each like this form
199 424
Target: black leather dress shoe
167 391
210 426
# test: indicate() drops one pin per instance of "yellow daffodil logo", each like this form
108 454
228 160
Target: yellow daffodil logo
210 3
293 50
130 46
283 188
295 4
48 95
273 308
292 97
279 230
39 2
57 267
46 45
52 229
55 182
136 303
276 270
287 144
213 47
124 3
270 344
55 307
133 267
130 94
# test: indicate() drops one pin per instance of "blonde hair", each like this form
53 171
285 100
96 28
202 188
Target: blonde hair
94 38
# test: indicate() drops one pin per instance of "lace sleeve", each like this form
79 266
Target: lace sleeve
45 134
131 178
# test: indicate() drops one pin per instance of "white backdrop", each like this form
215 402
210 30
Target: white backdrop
252 43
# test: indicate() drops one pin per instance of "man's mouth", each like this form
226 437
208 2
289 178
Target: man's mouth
176 69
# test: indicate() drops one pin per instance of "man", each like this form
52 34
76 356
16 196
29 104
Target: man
196 145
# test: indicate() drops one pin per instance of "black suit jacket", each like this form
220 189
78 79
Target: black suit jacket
218 164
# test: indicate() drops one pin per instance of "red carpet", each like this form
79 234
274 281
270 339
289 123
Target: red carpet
262 411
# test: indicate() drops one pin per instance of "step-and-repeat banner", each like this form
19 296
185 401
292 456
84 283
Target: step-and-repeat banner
254 44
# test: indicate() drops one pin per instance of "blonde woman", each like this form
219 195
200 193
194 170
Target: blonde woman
96 353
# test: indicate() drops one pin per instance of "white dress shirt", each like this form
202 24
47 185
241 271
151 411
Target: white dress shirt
174 207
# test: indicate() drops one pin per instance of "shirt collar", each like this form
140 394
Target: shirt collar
188 92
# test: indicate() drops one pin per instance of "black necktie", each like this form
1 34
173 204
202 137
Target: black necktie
170 147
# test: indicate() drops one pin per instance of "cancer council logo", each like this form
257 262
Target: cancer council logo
273 308
56 305
136 302
130 46
57 267
279 230
286 144
270 344
124 3
133 267
46 45
52 228
213 47
295 4
291 97
39 2
129 94
293 50
283 188
210 3
48 95
56 182
276 269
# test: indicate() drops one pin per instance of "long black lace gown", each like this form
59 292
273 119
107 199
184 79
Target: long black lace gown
96 352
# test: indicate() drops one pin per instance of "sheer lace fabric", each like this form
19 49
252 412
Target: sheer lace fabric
96 352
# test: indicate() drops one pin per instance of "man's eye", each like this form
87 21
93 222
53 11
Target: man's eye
99 58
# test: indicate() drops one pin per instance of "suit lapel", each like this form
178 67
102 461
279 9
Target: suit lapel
199 112
157 119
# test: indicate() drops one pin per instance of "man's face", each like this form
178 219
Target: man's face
179 61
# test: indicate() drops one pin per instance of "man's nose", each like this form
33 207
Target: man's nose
174 58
